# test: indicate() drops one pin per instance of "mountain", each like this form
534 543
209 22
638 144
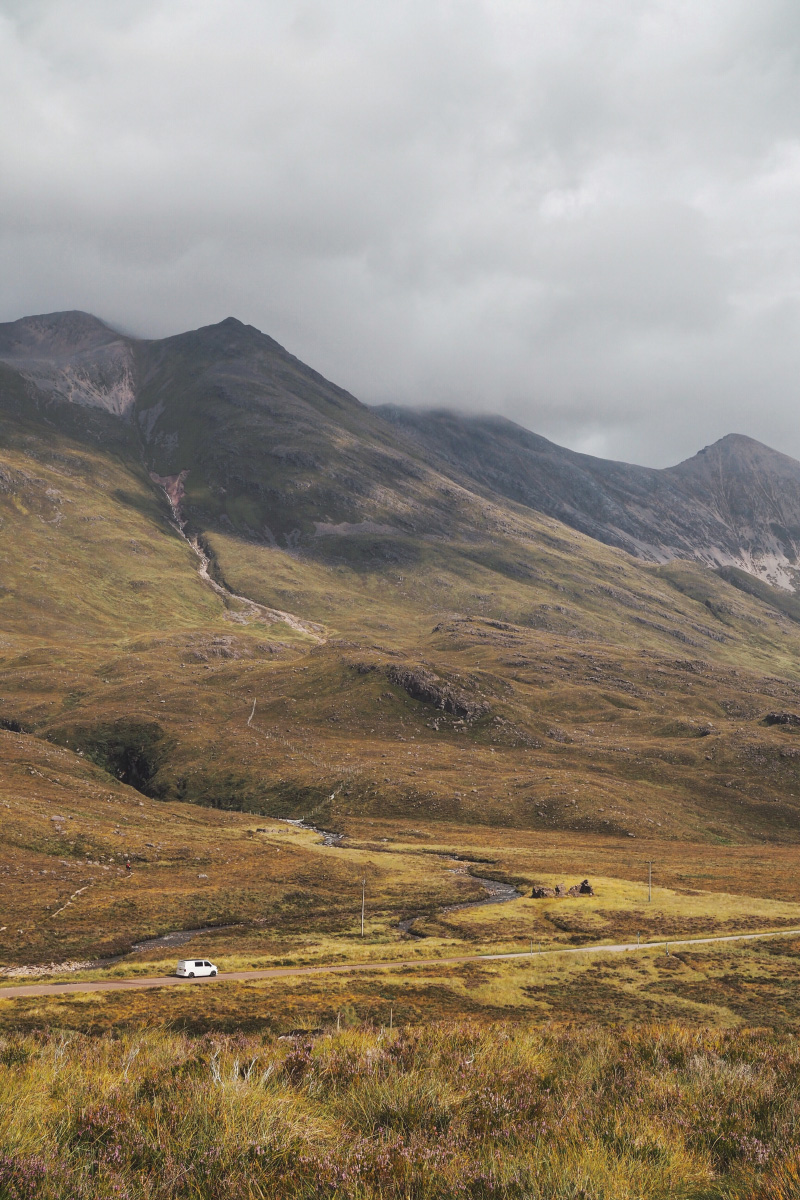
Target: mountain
224 580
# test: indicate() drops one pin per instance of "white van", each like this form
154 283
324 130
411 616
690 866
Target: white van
189 968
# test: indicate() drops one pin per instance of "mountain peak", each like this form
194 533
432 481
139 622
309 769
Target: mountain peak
232 325
734 454
227 336
735 443
53 333
72 356
735 503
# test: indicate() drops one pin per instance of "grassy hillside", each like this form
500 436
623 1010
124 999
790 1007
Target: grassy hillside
462 689
276 894
522 675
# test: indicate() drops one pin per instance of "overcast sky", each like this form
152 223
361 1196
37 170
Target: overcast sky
584 215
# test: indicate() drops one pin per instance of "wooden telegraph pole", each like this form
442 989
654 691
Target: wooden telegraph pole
363 897
649 880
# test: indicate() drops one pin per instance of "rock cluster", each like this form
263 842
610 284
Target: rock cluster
578 889
782 718
422 684
39 972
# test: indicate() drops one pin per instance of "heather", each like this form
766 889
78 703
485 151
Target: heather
448 1110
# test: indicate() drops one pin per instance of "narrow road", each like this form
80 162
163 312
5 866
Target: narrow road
157 981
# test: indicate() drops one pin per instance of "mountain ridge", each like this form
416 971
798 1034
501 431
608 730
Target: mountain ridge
657 514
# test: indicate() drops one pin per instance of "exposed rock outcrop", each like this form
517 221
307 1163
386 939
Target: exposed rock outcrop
74 357
782 718
422 684
539 892
581 889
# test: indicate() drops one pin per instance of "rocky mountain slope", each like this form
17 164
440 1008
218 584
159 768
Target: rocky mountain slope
736 503
74 357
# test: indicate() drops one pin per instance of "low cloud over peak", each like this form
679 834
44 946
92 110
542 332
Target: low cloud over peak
581 216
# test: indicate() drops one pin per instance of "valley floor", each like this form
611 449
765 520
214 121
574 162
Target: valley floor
283 899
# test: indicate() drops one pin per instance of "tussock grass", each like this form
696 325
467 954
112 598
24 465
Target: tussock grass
449 1110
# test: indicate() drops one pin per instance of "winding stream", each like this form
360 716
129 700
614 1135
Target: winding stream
172 485
497 892
177 937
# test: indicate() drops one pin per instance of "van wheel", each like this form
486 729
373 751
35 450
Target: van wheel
213 973
190 975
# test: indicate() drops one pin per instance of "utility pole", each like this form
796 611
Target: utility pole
649 880
363 896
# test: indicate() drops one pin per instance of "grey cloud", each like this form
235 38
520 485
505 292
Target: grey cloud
583 216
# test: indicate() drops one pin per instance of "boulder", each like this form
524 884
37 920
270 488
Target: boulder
423 685
541 893
581 889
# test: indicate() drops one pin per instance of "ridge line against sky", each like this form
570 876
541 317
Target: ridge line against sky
583 217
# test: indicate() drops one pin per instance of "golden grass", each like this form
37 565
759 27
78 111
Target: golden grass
69 829
445 1111
723 985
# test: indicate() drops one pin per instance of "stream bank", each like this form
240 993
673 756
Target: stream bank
497 892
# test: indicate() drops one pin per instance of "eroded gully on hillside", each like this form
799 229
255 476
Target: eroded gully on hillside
172 486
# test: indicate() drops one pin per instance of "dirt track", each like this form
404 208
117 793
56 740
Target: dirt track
157 981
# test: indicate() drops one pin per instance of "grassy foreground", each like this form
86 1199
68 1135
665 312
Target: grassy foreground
457 1110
